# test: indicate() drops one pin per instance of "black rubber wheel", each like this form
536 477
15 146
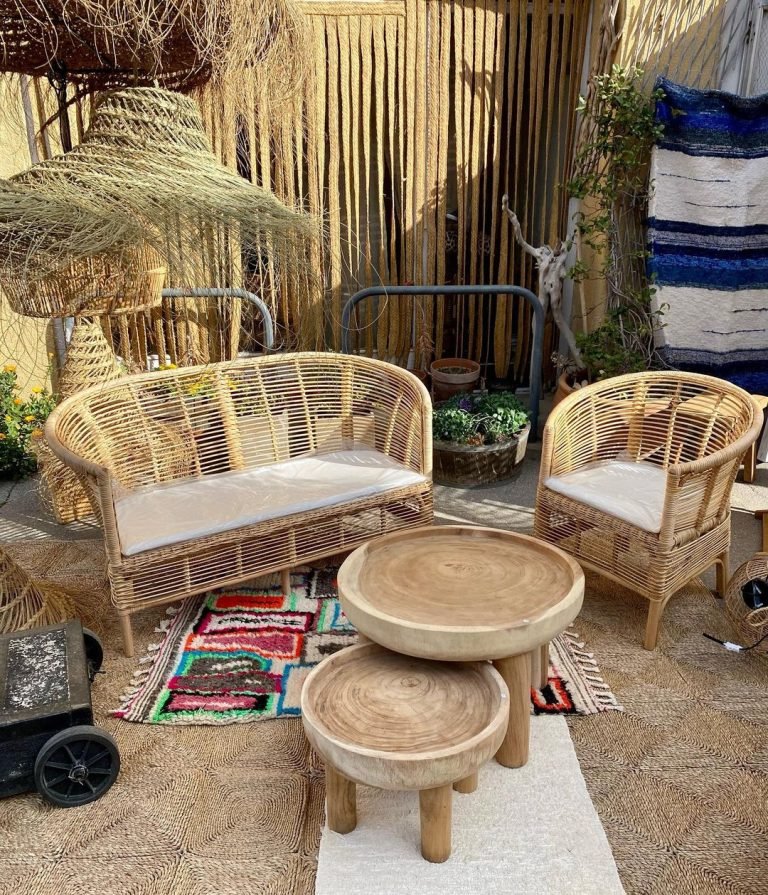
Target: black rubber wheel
76 766
94 653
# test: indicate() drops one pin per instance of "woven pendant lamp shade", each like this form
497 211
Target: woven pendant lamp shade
122 282
25 603
144 175
179 44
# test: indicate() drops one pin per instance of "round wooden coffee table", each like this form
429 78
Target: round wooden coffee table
462 594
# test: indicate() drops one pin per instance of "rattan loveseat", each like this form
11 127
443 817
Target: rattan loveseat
208 476
636 475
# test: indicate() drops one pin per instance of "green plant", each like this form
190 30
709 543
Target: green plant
611 177
479 419
21 422
604 352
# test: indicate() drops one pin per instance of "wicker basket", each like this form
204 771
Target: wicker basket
25 603
752 624
461 464
92 286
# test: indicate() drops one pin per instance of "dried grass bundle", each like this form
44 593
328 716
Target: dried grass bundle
175 43
144 174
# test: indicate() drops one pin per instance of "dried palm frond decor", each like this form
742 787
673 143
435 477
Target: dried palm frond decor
179 44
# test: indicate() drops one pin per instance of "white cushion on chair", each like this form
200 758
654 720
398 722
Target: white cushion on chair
630 491
160 515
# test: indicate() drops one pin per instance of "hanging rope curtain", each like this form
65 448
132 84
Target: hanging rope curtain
416 117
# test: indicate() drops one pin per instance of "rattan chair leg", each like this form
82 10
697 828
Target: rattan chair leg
721 582
127 632
285 582
750 463
655 611
762 515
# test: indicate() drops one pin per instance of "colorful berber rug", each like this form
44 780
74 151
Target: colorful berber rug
242 655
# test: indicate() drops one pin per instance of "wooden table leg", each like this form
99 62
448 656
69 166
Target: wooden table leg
467 785
516 671
435 811
540 667
341 807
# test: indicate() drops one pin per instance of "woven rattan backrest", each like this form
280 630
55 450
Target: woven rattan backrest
664 418
243 414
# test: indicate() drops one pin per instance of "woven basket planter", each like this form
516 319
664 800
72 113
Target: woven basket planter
752 624
463 464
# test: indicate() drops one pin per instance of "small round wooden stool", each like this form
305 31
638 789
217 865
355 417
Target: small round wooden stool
398 722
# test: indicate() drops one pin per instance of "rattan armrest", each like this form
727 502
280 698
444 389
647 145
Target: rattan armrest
78 463
719 458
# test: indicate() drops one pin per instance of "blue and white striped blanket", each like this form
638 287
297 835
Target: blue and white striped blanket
708 233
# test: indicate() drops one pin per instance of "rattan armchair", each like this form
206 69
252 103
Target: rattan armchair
208 476
636 477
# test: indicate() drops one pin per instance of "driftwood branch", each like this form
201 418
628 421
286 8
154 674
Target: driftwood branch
551 265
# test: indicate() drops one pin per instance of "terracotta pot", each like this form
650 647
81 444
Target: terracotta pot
445 385
562 391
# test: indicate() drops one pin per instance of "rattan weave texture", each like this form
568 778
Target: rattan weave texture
752 624
696 428
25 603
239 415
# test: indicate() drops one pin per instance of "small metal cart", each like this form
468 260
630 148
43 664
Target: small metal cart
48 741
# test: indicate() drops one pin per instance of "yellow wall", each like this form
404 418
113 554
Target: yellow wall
23 341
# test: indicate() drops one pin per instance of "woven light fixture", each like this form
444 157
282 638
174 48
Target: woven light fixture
85 233
144 175
180 44
746 601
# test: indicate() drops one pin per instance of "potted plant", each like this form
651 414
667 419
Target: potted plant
479 438
611 179
602 353
453 376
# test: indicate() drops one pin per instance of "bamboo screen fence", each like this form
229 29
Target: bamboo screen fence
417 117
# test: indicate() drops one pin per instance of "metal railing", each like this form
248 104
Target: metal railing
415 291
220 292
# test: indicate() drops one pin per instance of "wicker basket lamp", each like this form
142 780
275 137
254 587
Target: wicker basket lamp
180 44
239 420
636 476
25 603
752 624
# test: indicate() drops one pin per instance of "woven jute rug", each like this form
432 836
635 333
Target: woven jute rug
235 656
679 779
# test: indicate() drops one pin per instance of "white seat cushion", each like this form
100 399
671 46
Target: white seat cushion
160 515
630 491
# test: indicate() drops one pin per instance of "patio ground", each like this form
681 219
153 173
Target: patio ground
680 779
